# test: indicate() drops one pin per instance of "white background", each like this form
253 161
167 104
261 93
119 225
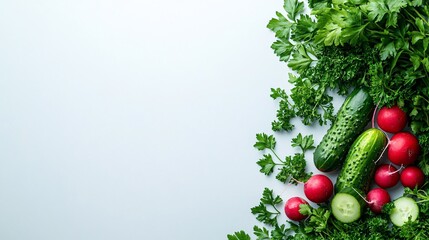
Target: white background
126 119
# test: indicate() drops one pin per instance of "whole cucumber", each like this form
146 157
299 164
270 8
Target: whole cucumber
359 166
353 181
352 118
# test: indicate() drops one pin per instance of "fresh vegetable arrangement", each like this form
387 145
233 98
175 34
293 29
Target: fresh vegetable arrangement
375 54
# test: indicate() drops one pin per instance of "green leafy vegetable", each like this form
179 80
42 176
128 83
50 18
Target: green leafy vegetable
267 211
292 168
379 44
382 45
241 235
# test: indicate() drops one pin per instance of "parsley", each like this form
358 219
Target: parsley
292 168
398 33
241 235
265 142
319 69
261 233
285 113
317 220
422 197
382 45
278 233
267 212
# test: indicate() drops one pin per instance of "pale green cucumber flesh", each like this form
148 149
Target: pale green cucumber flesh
406 209
345 208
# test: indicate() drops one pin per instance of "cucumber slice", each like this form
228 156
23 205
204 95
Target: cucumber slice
405 210
345 208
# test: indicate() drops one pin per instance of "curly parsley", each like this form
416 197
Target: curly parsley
379 44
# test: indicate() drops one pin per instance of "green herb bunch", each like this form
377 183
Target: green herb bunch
380 44
335 47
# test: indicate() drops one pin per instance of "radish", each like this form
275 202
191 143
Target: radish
386 176
292 208
392 119
403 148
376 198
412 177
318 188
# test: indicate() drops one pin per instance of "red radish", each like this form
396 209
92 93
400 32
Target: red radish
376 198
412 177
392 119
292 208
403 148
386 176
318 188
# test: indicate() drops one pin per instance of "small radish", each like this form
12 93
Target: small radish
318 188
376 198
403 148
392 119
412 177
386 176
292 208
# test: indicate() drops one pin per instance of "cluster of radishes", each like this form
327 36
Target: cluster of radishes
402 150
318 189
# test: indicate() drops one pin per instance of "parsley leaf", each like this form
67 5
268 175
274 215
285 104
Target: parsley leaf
267 164
265 142
305 143
294 169
280 232
283 49
261 233
241 235
280 26
376 9
305 29
301 59
317 220
267 212
293 8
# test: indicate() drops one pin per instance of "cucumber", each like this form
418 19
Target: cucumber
352 118
405 210
355 176
348 204
359 166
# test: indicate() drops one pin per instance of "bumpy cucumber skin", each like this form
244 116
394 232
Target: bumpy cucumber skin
359 166
352 118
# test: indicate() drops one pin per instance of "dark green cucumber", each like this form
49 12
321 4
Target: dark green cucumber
358 168
356 174
352 118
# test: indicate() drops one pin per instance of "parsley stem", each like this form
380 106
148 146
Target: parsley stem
277 156
424 98
277 212
379 32
425 79
420 16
